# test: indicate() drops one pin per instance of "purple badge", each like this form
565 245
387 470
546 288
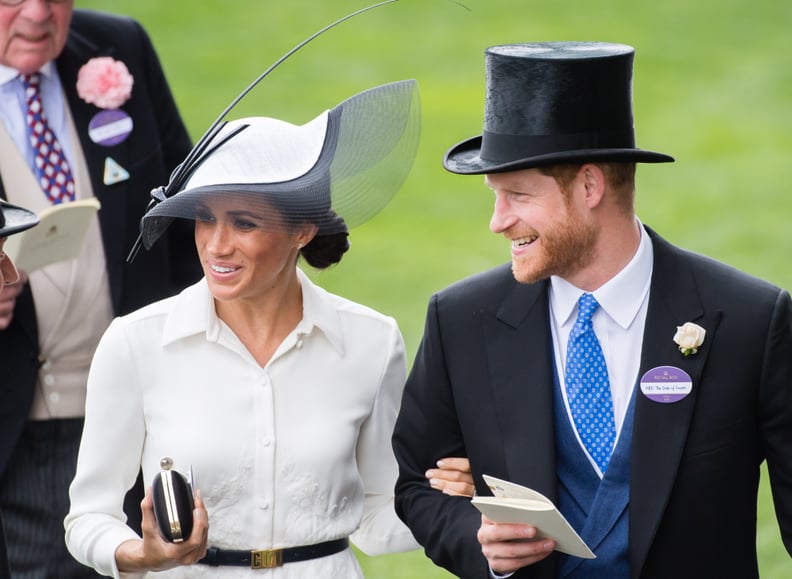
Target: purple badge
110 127
666 384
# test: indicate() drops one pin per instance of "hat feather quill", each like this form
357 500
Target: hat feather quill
200 151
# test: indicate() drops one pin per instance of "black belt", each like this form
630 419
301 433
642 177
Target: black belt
269 558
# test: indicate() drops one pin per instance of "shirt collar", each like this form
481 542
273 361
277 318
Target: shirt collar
8 74
319 311
620 297
193 313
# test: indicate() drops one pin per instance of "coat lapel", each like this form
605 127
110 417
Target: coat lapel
76 53
520 355
660 430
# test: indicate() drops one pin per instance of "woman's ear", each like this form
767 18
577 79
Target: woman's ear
307 233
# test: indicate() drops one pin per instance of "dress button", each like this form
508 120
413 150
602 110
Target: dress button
49 379
54 397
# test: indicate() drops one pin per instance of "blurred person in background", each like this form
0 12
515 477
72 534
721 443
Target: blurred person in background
86 112
13 219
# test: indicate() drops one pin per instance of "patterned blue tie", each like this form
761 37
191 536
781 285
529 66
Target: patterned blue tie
52 169
588 387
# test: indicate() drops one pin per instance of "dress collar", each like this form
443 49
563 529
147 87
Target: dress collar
319 312
193 313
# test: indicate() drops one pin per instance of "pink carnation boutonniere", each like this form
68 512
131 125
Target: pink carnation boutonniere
689 337
104 82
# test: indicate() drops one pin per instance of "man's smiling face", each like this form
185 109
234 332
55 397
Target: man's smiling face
549 233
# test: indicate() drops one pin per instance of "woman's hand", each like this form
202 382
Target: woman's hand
153 553
452 476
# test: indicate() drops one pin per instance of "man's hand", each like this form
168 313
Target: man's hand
8 296
510 547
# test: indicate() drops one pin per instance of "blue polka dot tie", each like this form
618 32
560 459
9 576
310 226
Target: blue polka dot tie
588 387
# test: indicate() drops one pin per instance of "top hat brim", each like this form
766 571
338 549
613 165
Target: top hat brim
465 158
16 219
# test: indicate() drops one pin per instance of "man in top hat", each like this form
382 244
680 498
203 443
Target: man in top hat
637 385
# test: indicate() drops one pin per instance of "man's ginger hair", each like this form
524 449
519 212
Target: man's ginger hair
620 178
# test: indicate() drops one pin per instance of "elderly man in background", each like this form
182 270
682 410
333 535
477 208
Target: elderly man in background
86 112
13 219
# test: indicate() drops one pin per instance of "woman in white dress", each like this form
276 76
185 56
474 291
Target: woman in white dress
278 396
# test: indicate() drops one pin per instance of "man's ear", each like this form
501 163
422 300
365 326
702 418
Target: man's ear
594 183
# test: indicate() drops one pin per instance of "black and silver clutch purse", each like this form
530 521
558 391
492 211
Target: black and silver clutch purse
173 502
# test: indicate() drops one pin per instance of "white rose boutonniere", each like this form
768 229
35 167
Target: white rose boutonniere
689 337
104 82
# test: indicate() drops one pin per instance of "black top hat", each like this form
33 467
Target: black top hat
14 219
553 102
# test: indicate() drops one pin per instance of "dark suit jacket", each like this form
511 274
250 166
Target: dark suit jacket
482 387
5 570
158 142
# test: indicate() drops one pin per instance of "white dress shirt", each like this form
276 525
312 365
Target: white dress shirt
52 101
293 453
618 322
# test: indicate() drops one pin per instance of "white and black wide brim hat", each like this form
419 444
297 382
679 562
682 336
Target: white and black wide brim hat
14 219
348 162
550 103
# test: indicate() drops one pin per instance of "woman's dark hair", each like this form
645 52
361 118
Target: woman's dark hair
327 249
311 204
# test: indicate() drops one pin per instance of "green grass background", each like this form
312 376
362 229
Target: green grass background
712 87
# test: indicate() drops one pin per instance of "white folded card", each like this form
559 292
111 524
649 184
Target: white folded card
514 503
59 236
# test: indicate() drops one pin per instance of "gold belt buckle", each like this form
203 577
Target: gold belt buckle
266 558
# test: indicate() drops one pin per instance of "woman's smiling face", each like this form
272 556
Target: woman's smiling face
245 248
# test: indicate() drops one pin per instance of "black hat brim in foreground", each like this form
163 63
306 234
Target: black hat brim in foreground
15 219
465 158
